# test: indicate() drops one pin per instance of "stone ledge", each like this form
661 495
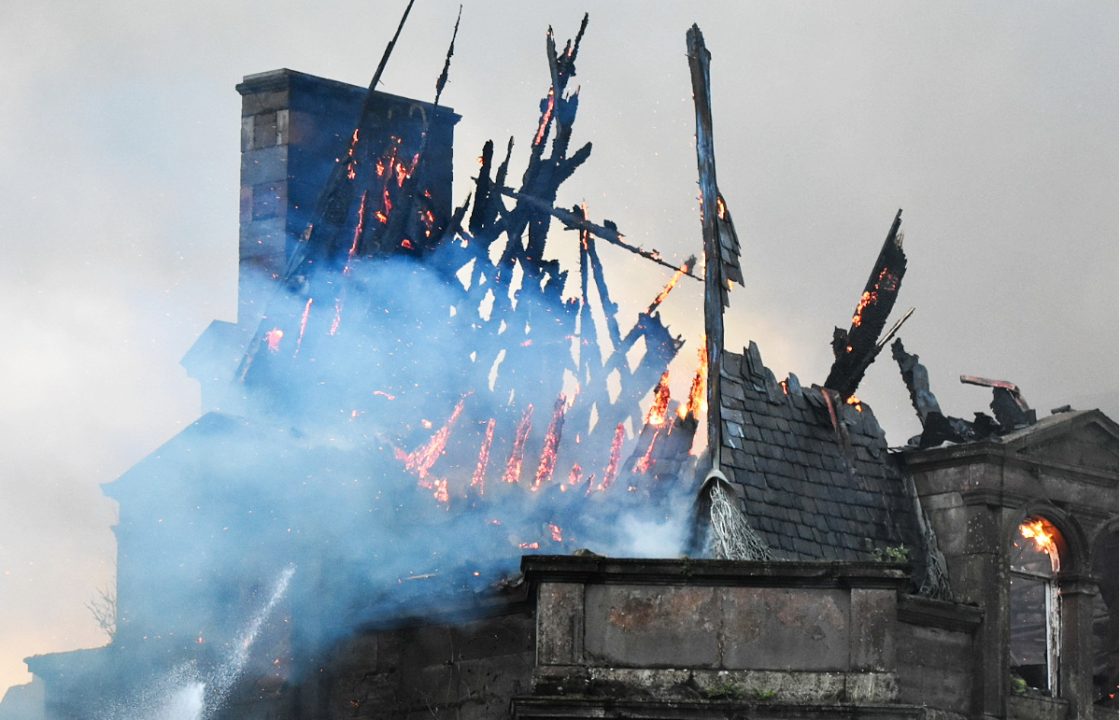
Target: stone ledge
918 610
636 571
561 708
673 685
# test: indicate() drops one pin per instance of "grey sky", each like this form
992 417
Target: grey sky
994 125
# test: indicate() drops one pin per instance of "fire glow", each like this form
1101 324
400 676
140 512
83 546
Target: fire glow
1043 536
659 409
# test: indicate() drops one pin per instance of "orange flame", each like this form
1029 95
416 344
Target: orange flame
611 472
478 480
1042 536
671 284
855 402
698 393
273 338
421 460
887 282
721 208
547 463
517 455
656 413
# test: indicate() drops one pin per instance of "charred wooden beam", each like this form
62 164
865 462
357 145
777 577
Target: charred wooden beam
1010 408
856 348
721 245
442 80
576 219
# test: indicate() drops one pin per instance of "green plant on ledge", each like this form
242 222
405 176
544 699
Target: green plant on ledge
891 554
724 690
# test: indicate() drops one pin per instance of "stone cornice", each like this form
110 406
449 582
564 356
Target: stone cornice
603 570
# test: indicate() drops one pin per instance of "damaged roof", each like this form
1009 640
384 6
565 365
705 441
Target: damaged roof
811 472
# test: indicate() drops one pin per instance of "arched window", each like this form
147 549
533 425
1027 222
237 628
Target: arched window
1034 610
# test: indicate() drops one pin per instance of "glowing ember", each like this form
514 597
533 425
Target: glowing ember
646 461
517 455
303 324
721 208
551 442
406 244
382 393
439 492
785 387
478 480
421 460
529 546
885 282
672 284
358 228
869 297
656 413
575 475
855 402
546 118
555 533
273 338
337 321
1043 536
611 472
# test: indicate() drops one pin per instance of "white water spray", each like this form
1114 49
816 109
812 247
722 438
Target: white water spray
187 694
223 678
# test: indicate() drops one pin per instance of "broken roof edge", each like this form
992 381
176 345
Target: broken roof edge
999 448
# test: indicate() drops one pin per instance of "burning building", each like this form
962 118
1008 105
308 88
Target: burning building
416 396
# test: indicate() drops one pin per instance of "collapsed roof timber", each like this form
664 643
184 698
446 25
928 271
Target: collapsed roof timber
413 395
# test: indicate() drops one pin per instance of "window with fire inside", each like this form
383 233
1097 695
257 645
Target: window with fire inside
1035 616
1034 608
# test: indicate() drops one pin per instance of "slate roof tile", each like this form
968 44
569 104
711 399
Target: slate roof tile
808 494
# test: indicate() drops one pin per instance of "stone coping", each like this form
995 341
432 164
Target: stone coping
918 610
281 78
687 571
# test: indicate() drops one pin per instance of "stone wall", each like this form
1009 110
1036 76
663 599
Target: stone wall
466 670
696 638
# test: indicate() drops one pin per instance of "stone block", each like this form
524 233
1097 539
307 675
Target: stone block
872 642
871 688
560 618
652 626
257 103
785 628
264 165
